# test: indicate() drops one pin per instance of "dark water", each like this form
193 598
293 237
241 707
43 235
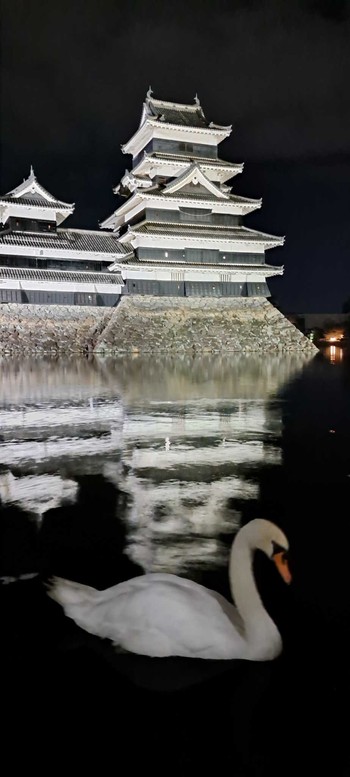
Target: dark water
109 468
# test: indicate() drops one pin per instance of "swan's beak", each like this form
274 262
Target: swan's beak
281 562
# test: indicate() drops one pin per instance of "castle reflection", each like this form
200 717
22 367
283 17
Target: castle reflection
180 437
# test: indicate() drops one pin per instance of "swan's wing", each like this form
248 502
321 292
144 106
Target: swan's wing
162 615
144 581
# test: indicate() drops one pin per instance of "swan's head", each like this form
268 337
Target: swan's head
269 538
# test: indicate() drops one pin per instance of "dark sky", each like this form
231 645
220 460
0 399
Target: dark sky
74 75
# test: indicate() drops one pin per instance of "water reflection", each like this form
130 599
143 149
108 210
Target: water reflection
183 467
36 494
334 353
162 416
180 438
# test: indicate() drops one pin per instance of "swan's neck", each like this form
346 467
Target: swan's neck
261 635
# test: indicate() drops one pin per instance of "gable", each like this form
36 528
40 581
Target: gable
195 190
195 181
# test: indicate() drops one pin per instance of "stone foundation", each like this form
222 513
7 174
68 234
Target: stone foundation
162 324
50 329
150 324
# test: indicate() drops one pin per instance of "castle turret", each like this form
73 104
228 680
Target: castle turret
43 263
181 225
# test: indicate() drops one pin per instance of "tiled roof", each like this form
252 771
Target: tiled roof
217 233
128 248
191 116
189 263
197 195
197 159
69 239
35 200
22 273
30 192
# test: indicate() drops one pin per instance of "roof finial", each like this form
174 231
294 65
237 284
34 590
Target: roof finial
150 92
196 99
31 172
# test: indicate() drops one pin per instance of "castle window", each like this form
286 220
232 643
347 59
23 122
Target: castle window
186 147
177 276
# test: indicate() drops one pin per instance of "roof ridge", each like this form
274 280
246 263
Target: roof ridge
187 157
86 231
147 222
189 197
186 224
266 234
38 188
202 228
211 127
184 264
175 106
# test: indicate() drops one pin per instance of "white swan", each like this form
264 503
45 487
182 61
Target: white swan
165 615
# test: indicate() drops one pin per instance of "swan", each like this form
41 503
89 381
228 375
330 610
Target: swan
162 615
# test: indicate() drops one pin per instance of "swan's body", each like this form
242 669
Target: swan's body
166 615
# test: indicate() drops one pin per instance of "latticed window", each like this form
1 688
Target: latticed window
225 277
177 276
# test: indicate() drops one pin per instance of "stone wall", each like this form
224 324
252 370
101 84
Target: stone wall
50 329
150 324
162 324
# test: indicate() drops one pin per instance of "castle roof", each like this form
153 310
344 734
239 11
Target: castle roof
159 118
30 199
199 231
65 239
191 115
31 192
160 157
24 273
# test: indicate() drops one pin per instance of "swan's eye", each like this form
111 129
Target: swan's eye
276 548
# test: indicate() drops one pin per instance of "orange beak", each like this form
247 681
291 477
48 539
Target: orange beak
281 562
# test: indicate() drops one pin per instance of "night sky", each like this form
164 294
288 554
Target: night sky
74 76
